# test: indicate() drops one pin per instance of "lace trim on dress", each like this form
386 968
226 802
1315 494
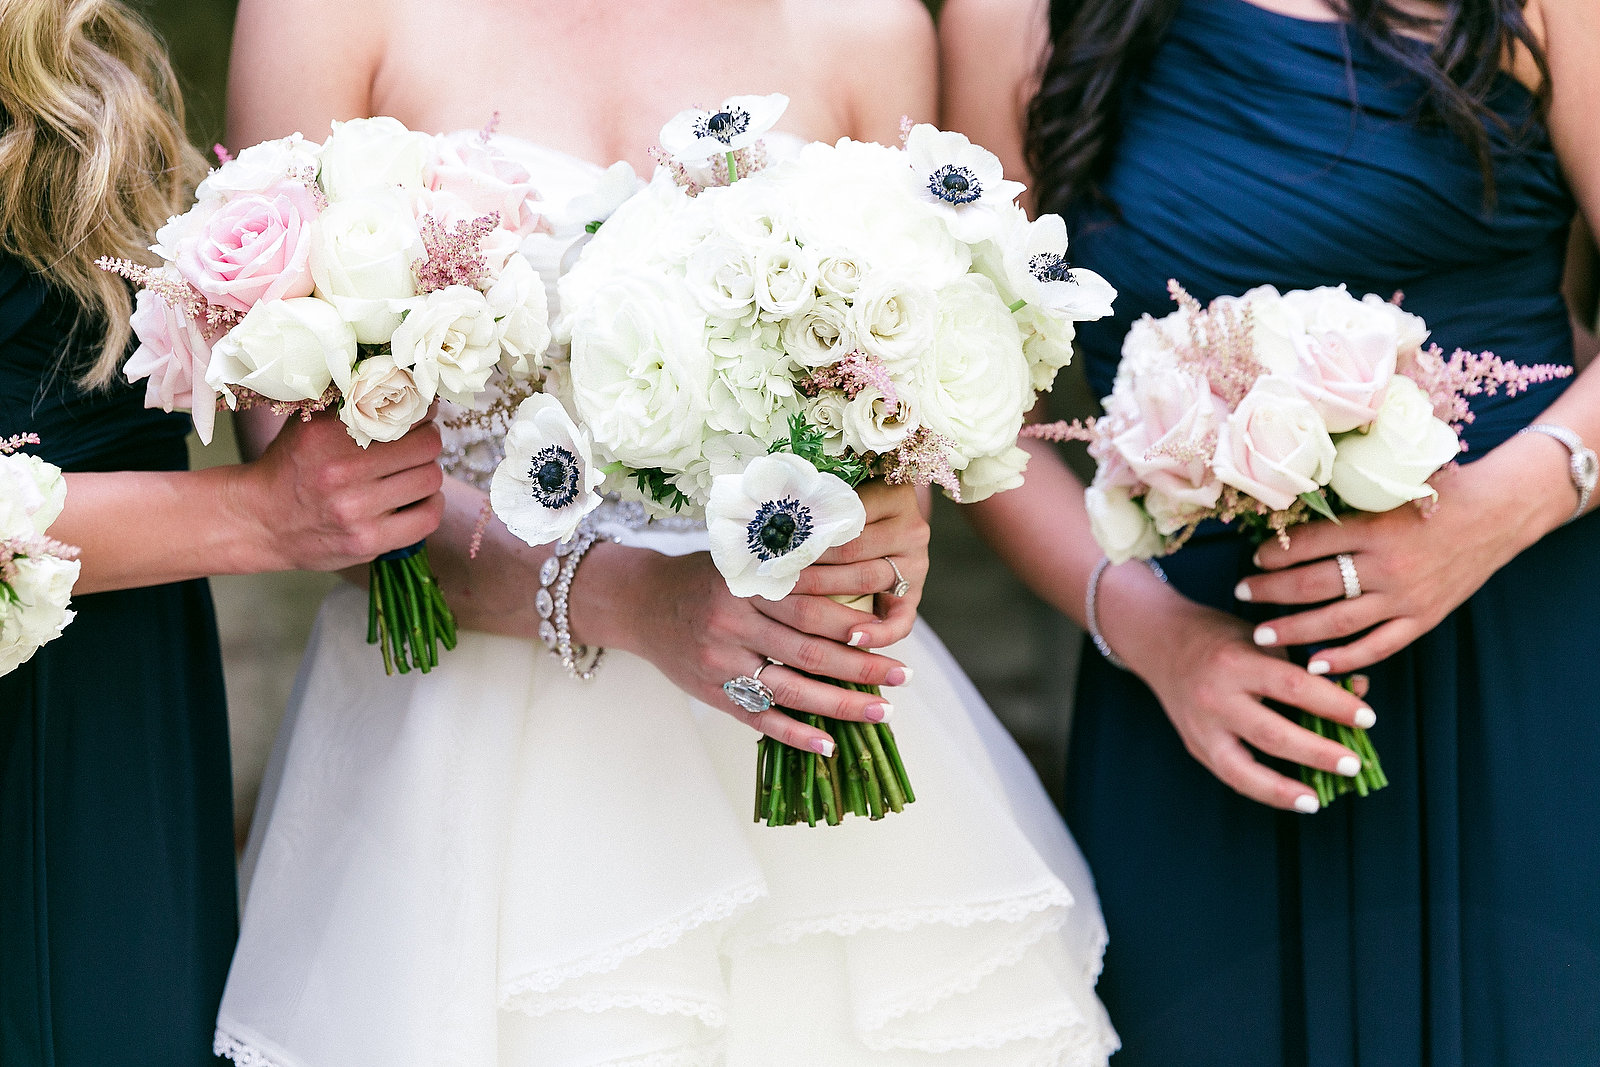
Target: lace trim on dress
225 1044
709 1013
523 991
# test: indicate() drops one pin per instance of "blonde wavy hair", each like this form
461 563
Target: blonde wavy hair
93 156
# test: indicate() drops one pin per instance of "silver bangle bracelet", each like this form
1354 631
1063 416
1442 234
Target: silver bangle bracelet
1092 618
553 602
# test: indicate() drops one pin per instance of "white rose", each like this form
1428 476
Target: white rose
1119 524
379 152
43 588
383 402
449 342
521 309
786 279
825 412
287 350
839 274
815 336
641 374
972 385
892 320
873 424
987 475
362 249
259 167
1274 445
1392 462
32 493
721 274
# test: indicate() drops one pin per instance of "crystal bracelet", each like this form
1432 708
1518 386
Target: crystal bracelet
1092 619
553 600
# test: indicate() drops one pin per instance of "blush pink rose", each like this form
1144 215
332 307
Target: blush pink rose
173 354
253 248
1166 432
485 179
1344 373
1274 446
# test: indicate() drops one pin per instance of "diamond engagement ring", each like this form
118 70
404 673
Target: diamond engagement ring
900 587
749 692
1347 573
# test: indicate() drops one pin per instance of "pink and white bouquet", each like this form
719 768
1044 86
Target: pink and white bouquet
371 274
36 571
1271 409
749 338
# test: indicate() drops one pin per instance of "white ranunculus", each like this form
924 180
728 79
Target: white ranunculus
286 350
774 519
259 167
1391 463
521 309
817 336
893 320
43 588
546 484
962 181
873 424
641 374
32 493
987 475
383 402
973 384
362 250
1047 344
1120 525
449 342
738 122
1274 445
752 383
373 153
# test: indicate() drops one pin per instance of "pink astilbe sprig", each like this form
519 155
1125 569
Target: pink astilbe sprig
680 173
16 442
15 548
1219 346
454 255
1086 430
1450 383
307 176
923 458
245 399
175 292
485 134
905 129
855 372
485 513
222 154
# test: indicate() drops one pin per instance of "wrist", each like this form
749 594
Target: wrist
249 543
1131 601
607 598
1524 488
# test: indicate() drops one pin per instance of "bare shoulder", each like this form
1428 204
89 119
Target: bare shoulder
882 54
990 53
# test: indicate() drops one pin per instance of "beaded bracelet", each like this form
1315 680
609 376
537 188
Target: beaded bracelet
552 603
1091 596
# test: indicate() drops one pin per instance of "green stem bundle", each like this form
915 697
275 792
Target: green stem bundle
1331 786
865 775
407 617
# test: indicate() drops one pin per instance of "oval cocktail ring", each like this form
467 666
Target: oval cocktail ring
748 692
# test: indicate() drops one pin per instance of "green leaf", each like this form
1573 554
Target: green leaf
594 227
1318 503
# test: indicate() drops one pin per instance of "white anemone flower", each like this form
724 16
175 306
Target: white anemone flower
962 181
771 521
694 136
546 484
1037 271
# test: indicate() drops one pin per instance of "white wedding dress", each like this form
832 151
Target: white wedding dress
494 864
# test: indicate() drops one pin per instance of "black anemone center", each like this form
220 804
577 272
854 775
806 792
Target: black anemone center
1051 267
554 475
724 126
956 185
779 527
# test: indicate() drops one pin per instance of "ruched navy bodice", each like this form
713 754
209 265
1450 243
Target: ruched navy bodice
1449 919
117 893
1263 149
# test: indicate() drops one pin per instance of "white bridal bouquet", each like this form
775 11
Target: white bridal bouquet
750 339
372 274
1271 409
36 571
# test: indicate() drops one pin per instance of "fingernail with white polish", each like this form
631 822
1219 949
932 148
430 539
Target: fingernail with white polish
822 746
1307 803
1366 718
1255 557
1242 592
898 676
880 712
1266 635
1318 666
1350 766
856 637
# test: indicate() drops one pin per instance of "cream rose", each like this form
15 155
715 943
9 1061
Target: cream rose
286 350
43 587
1391 463
1119 525
873 424
257 168
1274 446
449 342
361 257
377 152
383 402
32 494
521 309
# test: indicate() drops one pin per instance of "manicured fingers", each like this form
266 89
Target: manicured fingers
794 691
847 579
1313 540
781 728
830 659
1237 767
1380 644
1300 689
1273 734
1334 621
1311 583
406 487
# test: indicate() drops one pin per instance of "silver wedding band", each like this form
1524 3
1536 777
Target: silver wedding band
900 587
1347 573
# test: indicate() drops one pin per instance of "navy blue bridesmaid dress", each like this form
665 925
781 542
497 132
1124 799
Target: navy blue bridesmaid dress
1454 917
117 894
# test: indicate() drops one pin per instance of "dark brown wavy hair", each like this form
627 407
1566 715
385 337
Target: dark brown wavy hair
1097 46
